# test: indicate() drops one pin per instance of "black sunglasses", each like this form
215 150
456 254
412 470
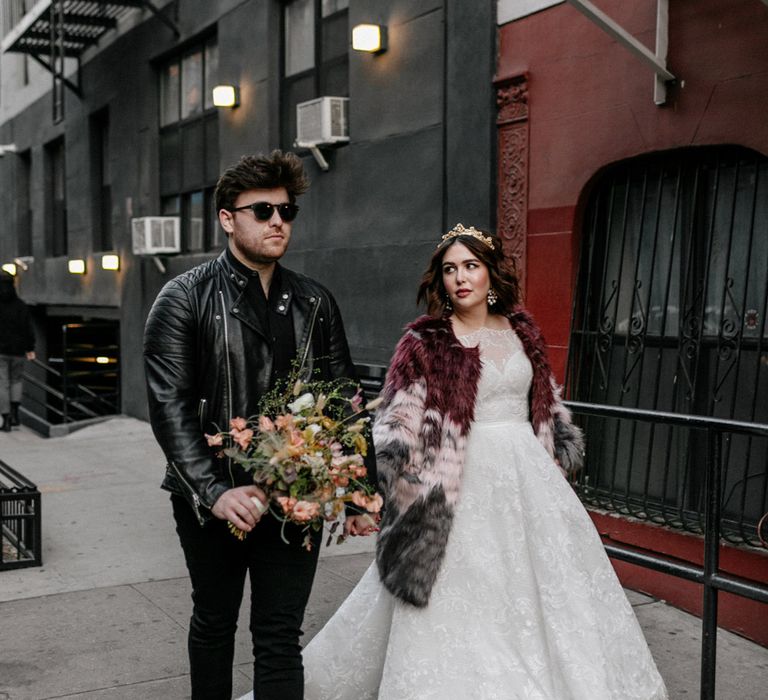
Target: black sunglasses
263 210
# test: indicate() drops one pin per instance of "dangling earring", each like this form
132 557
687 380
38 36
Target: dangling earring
448 305
492 297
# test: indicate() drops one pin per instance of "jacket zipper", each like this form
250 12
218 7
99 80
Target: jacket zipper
309 335
229 376
196 501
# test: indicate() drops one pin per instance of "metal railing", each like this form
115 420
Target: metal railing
71 402
708 575
20 521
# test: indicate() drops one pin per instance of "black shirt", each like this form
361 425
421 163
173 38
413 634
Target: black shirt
276 322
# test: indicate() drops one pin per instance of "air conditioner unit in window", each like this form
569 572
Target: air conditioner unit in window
156 235
322 121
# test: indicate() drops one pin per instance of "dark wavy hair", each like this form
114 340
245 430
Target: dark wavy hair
261 172
501 270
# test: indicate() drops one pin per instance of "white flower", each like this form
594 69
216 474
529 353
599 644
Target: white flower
314 427
303 402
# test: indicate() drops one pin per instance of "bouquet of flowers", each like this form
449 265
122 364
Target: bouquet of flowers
306 453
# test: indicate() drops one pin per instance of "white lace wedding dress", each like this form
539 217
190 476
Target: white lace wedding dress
526 604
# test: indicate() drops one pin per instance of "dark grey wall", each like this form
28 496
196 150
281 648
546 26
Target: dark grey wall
420 159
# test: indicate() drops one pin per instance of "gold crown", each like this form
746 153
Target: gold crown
459 230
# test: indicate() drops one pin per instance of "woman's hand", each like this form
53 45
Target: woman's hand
360 525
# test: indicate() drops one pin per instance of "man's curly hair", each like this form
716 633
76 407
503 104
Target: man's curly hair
261 172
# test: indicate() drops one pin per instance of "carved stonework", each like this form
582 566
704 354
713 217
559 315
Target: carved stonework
512 123
512 99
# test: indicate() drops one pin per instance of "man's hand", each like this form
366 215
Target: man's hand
360 525
236 506
30 354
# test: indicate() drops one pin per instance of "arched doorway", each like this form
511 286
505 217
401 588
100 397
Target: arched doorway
670 314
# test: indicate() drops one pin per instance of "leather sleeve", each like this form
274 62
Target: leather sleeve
170 340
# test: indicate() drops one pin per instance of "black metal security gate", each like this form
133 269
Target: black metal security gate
670 315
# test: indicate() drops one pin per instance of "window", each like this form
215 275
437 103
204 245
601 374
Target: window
56 199
189 153
23 204
186 83
315 60
101 192
670 315
199 223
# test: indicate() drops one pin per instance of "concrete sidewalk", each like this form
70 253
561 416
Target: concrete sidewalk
107 613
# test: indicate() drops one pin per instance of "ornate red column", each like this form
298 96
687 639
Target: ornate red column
512 182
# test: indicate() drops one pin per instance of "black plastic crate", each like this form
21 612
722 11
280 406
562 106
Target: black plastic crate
20 531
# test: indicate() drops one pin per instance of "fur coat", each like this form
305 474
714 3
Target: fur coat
421 432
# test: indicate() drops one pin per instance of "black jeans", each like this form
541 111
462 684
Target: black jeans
281 578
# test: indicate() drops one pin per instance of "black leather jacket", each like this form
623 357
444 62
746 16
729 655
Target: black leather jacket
196 360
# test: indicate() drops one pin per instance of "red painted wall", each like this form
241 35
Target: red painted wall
589 104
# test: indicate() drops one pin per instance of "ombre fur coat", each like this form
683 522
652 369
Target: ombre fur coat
421 432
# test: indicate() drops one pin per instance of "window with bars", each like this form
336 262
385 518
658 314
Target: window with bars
315 56
670 315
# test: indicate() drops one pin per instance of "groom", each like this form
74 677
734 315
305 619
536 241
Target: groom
217 338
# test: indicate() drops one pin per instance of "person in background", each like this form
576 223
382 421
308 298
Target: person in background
17 344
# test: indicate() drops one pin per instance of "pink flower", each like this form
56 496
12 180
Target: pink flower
304 511
238 423
242 437
357 400
266 425
214 440
359 498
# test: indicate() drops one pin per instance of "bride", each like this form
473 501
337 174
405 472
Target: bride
490 581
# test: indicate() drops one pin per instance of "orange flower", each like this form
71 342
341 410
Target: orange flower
287 503
372 504
214 440
375 503
238 423
304 511
282 422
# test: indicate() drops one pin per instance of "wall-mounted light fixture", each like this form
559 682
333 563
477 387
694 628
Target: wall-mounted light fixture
371 38
226 96
102 360
10 268
76 266
110 261
7 148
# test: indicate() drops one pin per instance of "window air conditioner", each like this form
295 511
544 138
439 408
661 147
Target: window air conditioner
322 121
156 235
